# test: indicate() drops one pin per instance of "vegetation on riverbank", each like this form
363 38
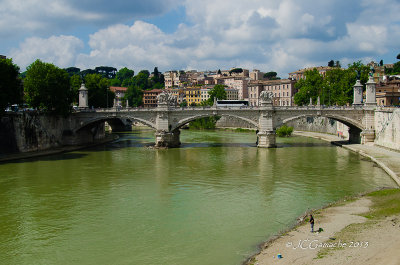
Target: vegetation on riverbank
205 123
284 131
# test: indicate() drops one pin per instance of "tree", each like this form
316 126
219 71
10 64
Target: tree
157 79
134 95
217 92
47 88
331 63
381 63
86 72
236 70
72 71
75 82
219 72
124 74
309 87
99 94
106 71
270 75
10 84
337 64
398 56
141 80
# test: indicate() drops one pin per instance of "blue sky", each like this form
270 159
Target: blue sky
269 35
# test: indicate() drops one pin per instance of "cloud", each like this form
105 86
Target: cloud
278 35
59 50
46 17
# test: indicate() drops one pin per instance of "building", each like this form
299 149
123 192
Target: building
150 98
193 95
231 94
388 93
238 83
256 75
300 74
169 79
119 94
283 91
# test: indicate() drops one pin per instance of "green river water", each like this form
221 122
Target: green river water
212 201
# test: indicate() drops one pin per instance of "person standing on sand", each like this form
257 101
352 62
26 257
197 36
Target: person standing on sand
312 223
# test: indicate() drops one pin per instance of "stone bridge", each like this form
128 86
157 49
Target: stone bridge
167 118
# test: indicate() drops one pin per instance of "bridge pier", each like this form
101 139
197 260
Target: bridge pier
168 139
266 139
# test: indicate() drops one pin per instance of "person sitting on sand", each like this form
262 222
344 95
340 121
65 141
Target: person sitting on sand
312 223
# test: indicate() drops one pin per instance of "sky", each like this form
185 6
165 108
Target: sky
269 35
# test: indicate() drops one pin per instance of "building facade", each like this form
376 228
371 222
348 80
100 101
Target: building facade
388 93
150 98
283 91
193 95
119 94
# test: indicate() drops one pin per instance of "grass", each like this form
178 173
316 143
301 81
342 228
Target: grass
385 203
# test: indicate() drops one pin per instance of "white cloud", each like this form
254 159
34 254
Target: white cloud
279 35
59 50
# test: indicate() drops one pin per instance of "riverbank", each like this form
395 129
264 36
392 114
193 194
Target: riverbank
363 230
64 149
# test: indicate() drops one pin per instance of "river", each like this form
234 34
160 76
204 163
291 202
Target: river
212 201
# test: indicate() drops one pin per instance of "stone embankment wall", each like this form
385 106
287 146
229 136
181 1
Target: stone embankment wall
387 128
28 132
314 124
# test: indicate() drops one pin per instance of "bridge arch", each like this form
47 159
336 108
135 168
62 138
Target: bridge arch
347 121
355 127
186 120
111 120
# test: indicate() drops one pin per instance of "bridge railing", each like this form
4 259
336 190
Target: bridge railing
313 107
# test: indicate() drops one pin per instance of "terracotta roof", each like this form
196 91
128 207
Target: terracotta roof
115 88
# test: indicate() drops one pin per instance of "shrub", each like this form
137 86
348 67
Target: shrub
284 131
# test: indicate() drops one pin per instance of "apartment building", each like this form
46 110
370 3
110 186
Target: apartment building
231 94
169 79
388 93
283 91
119 94
150 98
193 95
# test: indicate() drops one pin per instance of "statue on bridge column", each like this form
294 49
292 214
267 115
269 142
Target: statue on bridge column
266 98
168 99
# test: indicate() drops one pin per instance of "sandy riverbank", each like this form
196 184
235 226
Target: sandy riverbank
363 231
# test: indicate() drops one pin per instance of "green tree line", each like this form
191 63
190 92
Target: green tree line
336 88
53 90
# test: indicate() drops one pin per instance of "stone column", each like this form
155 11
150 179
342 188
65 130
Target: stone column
266 135
370 98
266 139
164 136
168 139
83 97
357 93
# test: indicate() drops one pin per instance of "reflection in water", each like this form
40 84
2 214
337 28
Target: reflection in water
210 202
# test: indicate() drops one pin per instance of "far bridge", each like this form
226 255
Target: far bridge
167 118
